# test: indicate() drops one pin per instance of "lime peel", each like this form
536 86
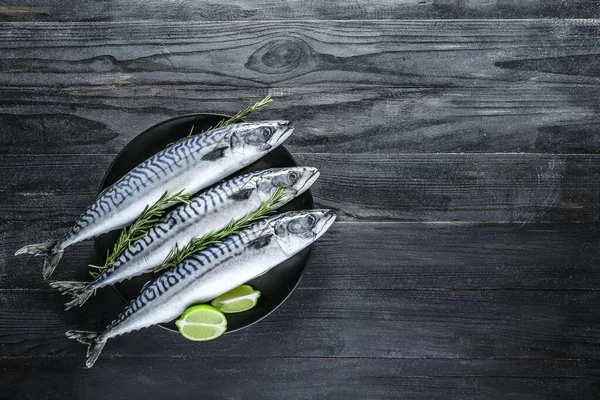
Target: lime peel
240 299
252 296
201 323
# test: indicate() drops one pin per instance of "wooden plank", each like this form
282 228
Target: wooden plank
254 378
458 187
300 53
126 10
521 117
404 187
335 323
405 256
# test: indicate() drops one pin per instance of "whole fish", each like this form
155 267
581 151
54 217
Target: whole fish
207 212
212 272
191 164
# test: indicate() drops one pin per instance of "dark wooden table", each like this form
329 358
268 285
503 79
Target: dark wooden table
459 142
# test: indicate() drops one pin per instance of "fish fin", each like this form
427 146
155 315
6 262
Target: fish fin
90 339
93 353
259 243
79 299
85 337
243 194
49 249
68 287
51 262
38 249
215 154
77 290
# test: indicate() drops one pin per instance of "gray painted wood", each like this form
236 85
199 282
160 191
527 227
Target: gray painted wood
404 187
354 322
187 10
462 156
521 117
293 378
386 256
280 54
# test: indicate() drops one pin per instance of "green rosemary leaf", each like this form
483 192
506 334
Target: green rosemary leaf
241 114
138 228
236 118
265 209
191 131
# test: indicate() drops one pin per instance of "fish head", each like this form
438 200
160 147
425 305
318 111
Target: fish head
296 230
252 140
293 181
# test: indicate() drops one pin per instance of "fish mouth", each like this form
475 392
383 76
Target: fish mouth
286 130
325 222
312 175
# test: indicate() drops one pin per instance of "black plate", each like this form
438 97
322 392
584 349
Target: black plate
277 284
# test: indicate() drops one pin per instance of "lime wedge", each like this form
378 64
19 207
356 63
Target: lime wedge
202 323
242 298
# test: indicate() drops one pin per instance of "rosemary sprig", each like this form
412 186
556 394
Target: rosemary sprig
266 208
138 229
239 116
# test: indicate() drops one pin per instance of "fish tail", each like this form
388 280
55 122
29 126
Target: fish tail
37 249
51 262
79 299
91 340
68 287
77 290
49 249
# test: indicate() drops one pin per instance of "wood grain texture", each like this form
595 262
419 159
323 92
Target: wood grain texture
383 256
405 187
521 117
529 324
262 54
460 149
187 10
292 378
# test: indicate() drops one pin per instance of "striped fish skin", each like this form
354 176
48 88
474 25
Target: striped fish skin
207 212
191 165
212 272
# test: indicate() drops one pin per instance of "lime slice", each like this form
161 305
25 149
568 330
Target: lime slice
202 323
242 298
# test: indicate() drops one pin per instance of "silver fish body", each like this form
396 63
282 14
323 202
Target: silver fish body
213 271
191 165
207 212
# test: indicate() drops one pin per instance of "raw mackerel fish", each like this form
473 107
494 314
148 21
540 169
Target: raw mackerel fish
212 272
207 212
191 164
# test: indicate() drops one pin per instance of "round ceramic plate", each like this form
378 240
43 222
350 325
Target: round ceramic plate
277 284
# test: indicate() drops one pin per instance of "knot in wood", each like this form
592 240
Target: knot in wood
280 56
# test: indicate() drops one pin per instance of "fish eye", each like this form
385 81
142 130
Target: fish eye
292 176
280 230
266 133
311 220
